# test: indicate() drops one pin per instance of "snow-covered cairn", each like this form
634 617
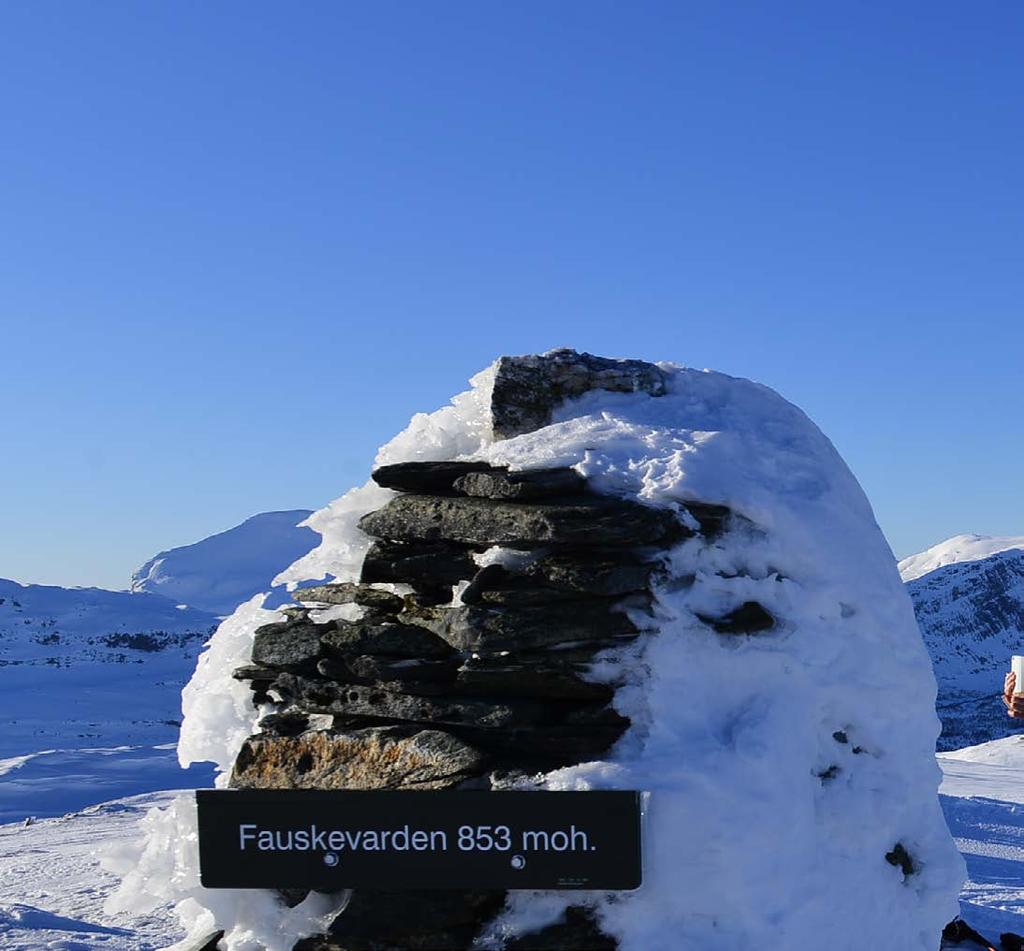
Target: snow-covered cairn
590 573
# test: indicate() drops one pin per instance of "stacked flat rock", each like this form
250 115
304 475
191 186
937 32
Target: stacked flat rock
479 673
480 670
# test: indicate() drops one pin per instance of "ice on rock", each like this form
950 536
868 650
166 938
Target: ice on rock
764 830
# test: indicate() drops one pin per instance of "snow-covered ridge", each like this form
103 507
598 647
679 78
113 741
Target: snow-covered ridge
220 572
971 615
49 624
959 548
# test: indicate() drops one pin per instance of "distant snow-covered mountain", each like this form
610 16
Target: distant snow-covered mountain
970 609
71 624
954 550
220 572
85 664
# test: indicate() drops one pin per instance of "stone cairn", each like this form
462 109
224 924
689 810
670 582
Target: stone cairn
476 688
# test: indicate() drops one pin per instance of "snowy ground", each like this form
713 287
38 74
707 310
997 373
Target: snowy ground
52 888
983 798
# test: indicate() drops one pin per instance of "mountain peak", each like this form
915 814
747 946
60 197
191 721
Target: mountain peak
219 572
956 549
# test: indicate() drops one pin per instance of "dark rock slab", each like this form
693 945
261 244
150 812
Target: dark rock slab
408 921
373 758
607 573
550 747
287 645
502 677
432 478
496 586
521 486
430 595
429 674
528 388
577 931
382 704
482 629
525 595
345 592
555 579
352 638
432 564
337 669
749 618
254 672
586 521
287 723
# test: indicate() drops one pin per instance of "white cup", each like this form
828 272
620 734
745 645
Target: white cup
1018 669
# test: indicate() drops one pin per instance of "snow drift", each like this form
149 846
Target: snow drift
793 779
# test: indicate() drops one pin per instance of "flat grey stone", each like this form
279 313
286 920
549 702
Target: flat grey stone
337 669
612 573
434 563
521 486
507 678
433 478
554 579
287 645
431 674
379 703
473 628
528 388
287 723
593 522
346 592
372 758
254 672
351 638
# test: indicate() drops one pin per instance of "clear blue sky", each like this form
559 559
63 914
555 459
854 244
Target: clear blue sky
243 242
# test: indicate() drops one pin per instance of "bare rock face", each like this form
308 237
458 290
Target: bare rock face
373 758
528 388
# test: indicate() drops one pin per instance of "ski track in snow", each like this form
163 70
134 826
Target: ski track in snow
52 888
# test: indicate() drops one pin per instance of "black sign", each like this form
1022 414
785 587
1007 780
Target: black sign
330 840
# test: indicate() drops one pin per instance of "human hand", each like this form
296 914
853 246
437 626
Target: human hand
1014 702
